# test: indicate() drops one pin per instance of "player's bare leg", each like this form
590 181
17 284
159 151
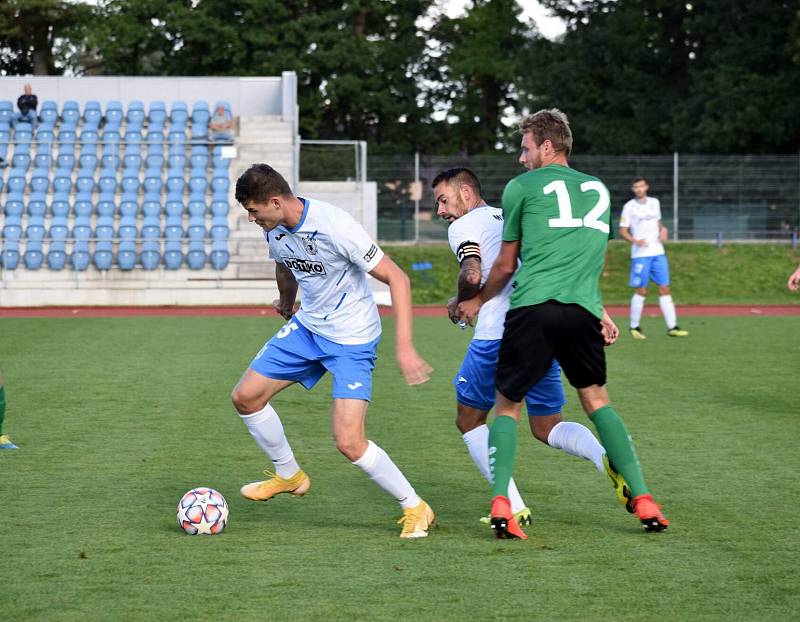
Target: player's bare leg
622 454
251 398
502 452
349 417
471 422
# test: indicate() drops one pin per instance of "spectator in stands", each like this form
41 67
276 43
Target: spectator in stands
221 124
27 104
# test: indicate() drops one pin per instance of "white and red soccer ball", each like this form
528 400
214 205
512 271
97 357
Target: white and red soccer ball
202 510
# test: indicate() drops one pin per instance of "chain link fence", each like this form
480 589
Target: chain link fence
708 197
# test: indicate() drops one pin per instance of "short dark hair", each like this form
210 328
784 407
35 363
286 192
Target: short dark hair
638 179
552 125
260 183
458 175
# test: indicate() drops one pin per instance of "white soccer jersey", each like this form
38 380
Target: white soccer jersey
483 226
643 219
329 254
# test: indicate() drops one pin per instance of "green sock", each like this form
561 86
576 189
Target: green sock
502 451
619 447
2 407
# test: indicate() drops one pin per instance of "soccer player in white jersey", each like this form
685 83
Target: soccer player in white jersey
475 235
328 254
640 224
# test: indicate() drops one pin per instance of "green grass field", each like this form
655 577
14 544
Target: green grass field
700 273
116 418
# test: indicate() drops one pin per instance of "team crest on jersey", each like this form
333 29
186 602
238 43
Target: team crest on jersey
310 245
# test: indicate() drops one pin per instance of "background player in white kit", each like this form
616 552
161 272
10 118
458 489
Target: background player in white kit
337 328
640 224
475 235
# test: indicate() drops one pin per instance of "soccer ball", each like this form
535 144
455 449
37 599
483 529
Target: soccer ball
202 510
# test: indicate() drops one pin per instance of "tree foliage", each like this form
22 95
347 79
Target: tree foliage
635 76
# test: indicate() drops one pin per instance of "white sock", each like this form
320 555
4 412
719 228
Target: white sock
377 464
266 428
668 311
477 442
578 440
637 305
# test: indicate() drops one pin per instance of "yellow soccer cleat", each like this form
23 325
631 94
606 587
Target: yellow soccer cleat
416 521
523 518
677 331
5 442
624 495
298 485
637 333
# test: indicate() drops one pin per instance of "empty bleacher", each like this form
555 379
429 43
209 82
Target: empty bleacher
124 187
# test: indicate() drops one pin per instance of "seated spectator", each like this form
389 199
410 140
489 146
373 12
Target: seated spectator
27 104
221 124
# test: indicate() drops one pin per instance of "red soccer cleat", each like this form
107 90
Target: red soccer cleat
649 512
502 521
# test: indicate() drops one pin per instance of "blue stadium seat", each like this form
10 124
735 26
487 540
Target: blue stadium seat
151 208
21 161
107 182
88 136
49 104
58 228
12 229
67 136
109 161
105 206
176 140
37 205
152 181
197 209
22 148
92 115
157 106
60 205
42 160
133 137
88 161
175 183
113 113
127 228
16 180
126 255
221 197
219 208
33 256
48 116
197 195
82 207
155 149
79 258
5 138
6 112
128 208
45 136
9 258
129 182
135 112
220 182
173 208
151 228
133 161
104 228
179 113
14 206
155 161
103 256
199 161
218 162
197 228
219 255
196 256
40 180
84 182
155 137
57 255
177 162
177 148
70 112
150 256
173 228
23 132
173 255
65 162
198 184
35 229
111 141
219 228
82 228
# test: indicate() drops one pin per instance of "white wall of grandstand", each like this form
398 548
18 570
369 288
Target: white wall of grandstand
158 252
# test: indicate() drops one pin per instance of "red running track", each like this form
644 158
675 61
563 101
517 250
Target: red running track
419 311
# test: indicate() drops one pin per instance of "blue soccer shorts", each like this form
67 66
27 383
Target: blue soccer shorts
645 269
475 381
295 353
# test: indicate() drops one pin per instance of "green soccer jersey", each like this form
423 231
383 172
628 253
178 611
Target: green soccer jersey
562 219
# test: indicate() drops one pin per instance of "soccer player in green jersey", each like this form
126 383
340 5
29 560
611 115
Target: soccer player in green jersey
557 222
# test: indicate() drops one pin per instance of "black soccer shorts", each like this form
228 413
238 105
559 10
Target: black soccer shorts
537 334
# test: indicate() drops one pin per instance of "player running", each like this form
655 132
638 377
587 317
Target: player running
640 224
475 235
325 251
5 440
557 222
